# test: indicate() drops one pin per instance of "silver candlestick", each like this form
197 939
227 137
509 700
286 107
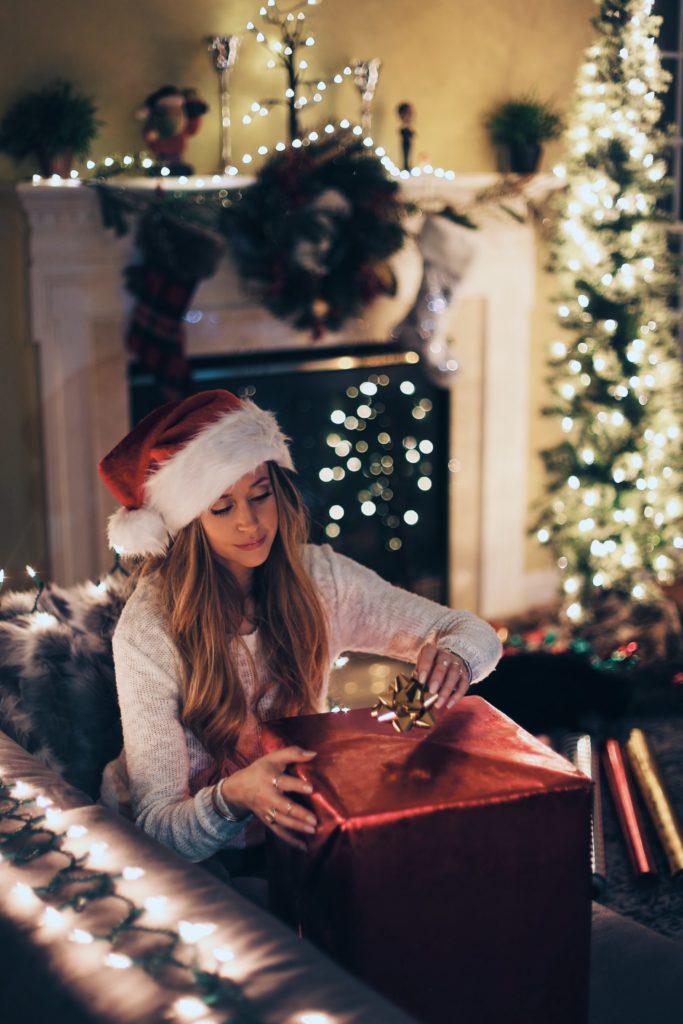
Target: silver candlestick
224 51
365 78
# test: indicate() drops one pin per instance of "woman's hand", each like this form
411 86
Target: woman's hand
263 789
444 673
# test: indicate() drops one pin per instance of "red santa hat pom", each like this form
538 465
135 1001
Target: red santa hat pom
179 460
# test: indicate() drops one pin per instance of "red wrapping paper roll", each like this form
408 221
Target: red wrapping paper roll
638 848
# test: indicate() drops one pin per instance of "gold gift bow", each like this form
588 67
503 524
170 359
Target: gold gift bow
655 796
405 703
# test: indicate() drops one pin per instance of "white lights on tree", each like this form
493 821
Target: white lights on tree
616 373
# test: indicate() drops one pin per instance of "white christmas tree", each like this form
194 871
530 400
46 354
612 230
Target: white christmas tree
613 515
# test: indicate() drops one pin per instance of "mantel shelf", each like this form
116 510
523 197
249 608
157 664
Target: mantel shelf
425 186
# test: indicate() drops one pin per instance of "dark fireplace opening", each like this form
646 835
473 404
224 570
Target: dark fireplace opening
370 441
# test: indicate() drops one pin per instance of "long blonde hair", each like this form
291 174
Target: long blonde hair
204 607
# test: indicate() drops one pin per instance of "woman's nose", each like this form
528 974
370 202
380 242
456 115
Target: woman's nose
246 516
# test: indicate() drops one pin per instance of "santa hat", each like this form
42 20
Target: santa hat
179 460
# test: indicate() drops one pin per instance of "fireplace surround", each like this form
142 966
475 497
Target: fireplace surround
79 310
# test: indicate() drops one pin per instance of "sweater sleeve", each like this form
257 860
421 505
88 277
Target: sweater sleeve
147 679
372 615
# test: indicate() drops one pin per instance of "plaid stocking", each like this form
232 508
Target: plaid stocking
155 332
176 255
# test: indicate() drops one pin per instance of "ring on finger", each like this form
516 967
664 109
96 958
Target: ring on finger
288 807
276 780
270 816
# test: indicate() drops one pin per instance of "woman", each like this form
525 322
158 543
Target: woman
235 619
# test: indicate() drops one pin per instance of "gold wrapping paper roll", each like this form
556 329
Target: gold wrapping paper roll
656 799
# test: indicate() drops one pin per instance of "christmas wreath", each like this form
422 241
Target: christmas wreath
314 233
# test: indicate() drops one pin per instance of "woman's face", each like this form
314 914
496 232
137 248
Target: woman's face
241 526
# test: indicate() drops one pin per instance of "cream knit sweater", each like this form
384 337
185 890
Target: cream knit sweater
160 774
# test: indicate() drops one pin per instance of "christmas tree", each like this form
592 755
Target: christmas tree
613 512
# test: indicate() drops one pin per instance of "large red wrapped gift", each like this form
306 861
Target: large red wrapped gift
451 866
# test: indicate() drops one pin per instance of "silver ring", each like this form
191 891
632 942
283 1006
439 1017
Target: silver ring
270 816
445 662
289 807
276 779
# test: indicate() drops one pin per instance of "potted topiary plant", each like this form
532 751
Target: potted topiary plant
53 124
519 127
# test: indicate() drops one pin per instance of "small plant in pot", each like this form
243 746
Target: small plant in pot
54 125
519 126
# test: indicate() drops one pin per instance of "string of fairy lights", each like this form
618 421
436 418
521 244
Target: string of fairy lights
258 110
184 956
145 936
615 515
115 163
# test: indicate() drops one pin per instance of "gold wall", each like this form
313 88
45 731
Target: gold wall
450 59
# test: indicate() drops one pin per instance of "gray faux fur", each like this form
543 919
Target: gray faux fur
57 689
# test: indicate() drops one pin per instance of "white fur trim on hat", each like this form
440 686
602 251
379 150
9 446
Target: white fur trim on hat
139 531
217 457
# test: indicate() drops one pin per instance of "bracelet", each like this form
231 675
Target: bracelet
221 806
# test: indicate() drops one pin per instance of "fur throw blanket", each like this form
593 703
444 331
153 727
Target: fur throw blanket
57 688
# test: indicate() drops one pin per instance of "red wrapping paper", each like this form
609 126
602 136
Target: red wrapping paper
451 867
637 846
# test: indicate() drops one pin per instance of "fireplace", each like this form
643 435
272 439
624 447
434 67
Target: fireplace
478 493
370 442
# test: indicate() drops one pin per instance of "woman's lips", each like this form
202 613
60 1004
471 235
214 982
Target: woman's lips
253 545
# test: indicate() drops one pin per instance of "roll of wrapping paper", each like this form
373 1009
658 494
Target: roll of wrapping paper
654 794
581 751
638 848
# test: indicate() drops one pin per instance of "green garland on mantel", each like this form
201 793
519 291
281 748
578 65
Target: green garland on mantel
312 236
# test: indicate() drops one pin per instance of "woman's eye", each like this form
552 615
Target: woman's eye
228 508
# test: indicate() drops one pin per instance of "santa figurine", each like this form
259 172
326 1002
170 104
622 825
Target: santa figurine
170 117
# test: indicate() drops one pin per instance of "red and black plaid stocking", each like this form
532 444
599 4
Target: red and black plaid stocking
176 256
155 331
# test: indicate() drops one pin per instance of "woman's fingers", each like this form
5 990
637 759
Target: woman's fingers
290 755
284 819
444 673
293 816
449 684
443 664
283 834
280 809
425 661
460 690
287 783
288 812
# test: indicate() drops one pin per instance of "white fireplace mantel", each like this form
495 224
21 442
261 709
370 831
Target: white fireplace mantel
79 311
